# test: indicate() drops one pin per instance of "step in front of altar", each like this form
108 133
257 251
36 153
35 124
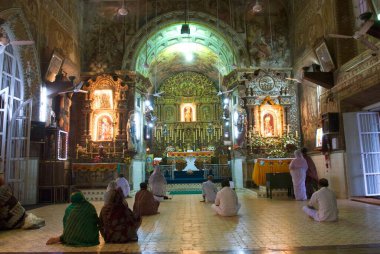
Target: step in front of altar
261 192
93 194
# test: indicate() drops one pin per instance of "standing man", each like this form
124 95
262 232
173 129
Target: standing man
226 201
124 185
322 205
209 190
311 181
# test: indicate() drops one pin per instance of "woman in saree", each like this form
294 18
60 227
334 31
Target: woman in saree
80 223
118 224
298 168
157 184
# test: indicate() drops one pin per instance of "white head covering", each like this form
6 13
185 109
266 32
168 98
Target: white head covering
157 182
299 162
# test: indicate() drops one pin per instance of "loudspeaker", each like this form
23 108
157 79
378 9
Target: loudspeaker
37 131
330 122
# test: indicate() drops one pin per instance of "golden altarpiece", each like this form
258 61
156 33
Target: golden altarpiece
189 114
105 116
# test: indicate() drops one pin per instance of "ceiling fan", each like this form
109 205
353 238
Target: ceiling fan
360 35
158 94
225 92
75 89
294 79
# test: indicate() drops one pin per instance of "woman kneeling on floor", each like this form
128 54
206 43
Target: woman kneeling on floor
118 224
80 223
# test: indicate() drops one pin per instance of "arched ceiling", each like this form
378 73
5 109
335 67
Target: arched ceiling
167 52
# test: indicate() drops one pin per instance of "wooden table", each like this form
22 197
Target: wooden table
273 165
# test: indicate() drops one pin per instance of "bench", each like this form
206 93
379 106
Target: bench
279 181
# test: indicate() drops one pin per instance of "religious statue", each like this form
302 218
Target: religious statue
268 125
188 114
104 129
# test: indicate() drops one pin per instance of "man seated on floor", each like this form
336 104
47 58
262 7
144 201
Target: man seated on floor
209 190
226 201
322 205
12 213
145 203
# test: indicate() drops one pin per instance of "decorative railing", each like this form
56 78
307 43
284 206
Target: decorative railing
219 172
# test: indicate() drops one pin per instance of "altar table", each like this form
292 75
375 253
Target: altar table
190 157
272 165
96 175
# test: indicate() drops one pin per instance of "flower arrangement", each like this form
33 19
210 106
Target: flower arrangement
273 147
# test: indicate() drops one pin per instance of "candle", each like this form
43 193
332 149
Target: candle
114 146
77 150
288 129
296 134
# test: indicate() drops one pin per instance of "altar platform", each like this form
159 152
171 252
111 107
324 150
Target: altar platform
218 171
269 165
97 175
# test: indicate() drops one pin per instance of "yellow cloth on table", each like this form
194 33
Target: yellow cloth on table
263 166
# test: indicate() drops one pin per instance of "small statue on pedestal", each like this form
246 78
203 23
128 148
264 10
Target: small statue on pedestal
53 122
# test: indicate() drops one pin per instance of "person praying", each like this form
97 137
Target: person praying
226 201
157 184
322 205
298 168
145 203
209 190
13 214
112 186
80 223
311 182
118 224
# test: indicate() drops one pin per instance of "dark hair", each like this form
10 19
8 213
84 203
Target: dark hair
323 182
304 150
121 175
225 183
143 186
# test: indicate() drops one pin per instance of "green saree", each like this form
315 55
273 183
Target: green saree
80 223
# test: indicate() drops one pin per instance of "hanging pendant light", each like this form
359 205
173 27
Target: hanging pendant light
123 11
257 7
185 29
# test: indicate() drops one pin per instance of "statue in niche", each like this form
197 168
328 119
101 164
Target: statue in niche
268 125
206 113
104 128
188 113
169 114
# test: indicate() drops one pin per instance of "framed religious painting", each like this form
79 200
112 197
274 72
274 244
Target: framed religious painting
324 57
54 67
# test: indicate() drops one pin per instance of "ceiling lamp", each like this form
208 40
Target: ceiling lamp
123 11
185 29
257 7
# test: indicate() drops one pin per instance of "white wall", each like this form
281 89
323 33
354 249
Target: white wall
335 173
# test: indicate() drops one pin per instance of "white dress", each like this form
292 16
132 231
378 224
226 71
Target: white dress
209 191
124 185
226 202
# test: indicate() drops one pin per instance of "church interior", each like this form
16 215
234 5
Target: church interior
90 89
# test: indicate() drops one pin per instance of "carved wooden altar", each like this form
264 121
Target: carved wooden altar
188 112
105 115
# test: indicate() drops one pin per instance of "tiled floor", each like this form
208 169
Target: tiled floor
188 226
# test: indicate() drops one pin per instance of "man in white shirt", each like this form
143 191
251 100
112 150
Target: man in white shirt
226 201
322 205
123 184
209 190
